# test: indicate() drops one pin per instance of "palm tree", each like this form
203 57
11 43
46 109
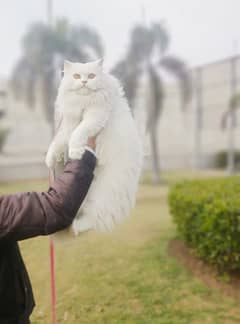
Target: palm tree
148 53
234 103
44 50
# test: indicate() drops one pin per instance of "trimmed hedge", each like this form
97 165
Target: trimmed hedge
207 215
220 160
3 136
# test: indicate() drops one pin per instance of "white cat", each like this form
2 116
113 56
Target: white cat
90 101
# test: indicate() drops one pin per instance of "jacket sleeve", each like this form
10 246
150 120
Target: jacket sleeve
29 214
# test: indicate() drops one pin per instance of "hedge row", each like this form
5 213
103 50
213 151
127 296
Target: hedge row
207 215
220 160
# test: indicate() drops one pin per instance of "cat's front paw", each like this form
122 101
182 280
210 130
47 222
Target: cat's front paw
76 149
76 154
52 159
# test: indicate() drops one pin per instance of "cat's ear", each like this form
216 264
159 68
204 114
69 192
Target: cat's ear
100 62
67 65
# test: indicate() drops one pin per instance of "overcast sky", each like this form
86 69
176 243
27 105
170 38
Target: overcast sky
202 30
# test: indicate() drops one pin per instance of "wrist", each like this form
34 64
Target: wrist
91 143
89 149
76 154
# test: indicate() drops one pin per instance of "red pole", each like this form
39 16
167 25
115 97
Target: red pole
53 287
52 268
52 254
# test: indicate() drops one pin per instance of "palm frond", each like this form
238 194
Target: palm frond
48 95
128 73
41 46
234 103
23 81
141 43
161 36
87 42
178 68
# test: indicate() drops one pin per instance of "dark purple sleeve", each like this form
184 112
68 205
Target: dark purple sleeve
29 214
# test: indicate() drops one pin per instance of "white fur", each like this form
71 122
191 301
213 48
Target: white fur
83 112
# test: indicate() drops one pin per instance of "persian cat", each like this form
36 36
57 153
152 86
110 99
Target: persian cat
91 101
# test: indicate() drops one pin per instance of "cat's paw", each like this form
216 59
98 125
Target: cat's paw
75 147
52 159
76 154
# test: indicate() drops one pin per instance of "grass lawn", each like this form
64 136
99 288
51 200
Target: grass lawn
123 277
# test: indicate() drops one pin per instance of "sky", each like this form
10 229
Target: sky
201 31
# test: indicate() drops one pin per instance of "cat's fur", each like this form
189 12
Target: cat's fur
84 111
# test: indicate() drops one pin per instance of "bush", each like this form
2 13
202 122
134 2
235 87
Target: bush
220 160
207 215
3 136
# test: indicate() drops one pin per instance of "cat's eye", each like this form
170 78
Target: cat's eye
91 76
76 76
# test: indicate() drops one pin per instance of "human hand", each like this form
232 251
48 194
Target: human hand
92 142
76 152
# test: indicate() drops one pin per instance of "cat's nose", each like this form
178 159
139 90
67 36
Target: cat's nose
84 81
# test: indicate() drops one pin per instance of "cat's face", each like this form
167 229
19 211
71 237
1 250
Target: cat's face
82 78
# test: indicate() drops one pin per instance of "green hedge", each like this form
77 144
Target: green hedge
220 160
3 136
207 215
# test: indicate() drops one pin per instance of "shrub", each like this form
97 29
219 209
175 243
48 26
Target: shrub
3 136
220 160
207 215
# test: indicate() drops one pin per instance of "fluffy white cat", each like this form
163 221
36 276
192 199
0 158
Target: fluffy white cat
90 101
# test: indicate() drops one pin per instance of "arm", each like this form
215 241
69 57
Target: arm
30 214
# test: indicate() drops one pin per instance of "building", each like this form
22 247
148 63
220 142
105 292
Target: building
191 139
29 135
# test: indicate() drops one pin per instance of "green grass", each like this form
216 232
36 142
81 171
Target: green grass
123 277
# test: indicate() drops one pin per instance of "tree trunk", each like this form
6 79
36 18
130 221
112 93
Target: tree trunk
231 146
231 123
155 156
197 161
154 112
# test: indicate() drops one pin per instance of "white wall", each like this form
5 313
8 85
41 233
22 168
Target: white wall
177 129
